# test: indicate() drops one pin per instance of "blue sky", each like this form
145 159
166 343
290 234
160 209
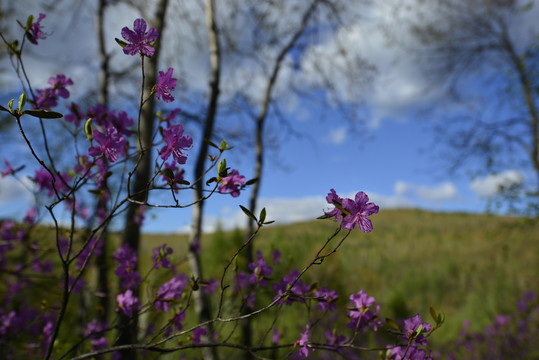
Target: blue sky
391 157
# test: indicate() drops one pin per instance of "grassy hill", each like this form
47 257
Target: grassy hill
471 267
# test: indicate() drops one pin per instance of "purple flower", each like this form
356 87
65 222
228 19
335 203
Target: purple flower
297 292
45 182
35 33
110 144
8 170
259 270
334 339
139 39
175 143
127 303
410 328
160 256
178 176
411 353
197 334
48 97
303 343
7 322
165 84
121 122
232 183
95 331
211 286
276 337
126 258
139 216
355 211
75 115
170 291
326 299
361 313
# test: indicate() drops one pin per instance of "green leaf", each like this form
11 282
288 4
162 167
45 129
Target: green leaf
121 42
262 215
248 213
433 313
168 173
251 182
10 105
418 331
88 128
43 114
183 182
325 216
221 168
213 179
211 143
223 145
22 101
29 21
339 206
441 319
269 222
392 323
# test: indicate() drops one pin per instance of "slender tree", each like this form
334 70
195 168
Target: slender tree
139 191
476 49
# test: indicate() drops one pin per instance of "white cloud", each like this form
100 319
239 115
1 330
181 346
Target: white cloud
491 184
337 135
446 191
12 190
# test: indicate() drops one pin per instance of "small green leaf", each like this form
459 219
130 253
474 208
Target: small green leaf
29 21
418 331
168 173
121 42
325 216
10 105
22 101
433 313
223 145
248 213
209 142
392 323
251 182
43 114
269 222
262 215
441 319
183 182
88 128
213 179
221 168
339 206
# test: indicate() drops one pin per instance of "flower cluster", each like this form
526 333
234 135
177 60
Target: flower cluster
362 314
232 183
48 97
175 144
126 260
170 292
351 212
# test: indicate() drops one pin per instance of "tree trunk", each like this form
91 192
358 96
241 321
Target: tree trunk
103 97
201 301
131 234
259 158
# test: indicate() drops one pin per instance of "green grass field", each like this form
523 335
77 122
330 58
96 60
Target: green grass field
471 267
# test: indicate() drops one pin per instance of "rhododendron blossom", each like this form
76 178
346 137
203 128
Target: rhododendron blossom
139 39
